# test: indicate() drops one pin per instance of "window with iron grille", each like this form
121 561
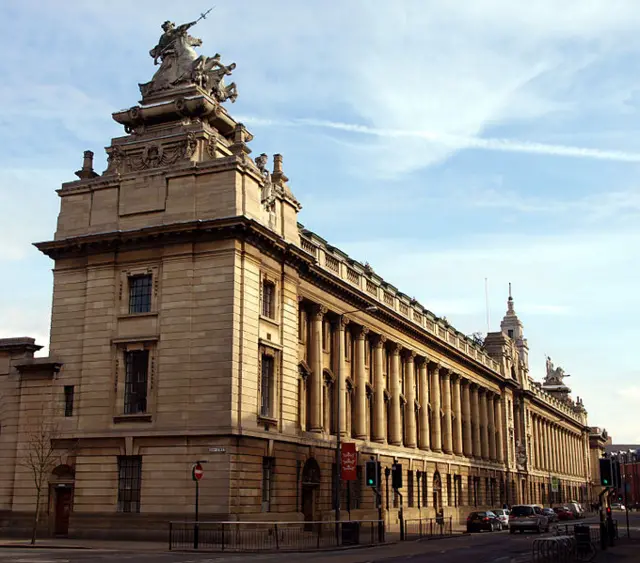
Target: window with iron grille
140 293
129 482
135 383
410 488
268 299
268 465
267 386
68 400
425 490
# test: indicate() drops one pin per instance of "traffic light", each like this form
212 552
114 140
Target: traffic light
606 477
617 478
371 473
396 476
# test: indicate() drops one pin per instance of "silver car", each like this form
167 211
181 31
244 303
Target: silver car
527 517
503 516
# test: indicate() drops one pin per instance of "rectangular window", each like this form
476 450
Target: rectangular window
268 465
140 293
129 480
267 386
425 490
68 400
135 383
410 489
268 299
302 320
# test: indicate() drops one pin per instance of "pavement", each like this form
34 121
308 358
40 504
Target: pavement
498 547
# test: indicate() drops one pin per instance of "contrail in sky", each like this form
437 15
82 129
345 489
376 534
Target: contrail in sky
455 141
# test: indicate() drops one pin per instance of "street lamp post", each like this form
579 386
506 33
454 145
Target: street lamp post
340 354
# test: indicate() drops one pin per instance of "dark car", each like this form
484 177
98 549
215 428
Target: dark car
478 521
550 514
564 513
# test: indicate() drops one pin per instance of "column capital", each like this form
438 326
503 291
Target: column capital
300 299
379 340
341 321
395 348
445 372
362 331
409 354
421 360
436 367
319 311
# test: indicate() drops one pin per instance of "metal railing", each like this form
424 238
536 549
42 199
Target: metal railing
428 528
556 549
273 536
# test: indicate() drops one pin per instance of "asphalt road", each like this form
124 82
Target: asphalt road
499 547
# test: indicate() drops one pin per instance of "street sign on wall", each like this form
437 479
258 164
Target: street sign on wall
554 484
197 472
349 458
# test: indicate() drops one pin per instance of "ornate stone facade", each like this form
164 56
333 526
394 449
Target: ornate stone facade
194 318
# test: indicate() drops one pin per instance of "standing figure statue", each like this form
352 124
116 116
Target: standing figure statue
180 64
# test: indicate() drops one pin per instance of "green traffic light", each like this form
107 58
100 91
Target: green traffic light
370 482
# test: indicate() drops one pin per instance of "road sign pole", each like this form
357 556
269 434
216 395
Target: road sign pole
196 530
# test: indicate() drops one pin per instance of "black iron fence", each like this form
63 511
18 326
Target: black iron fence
428 528
273 536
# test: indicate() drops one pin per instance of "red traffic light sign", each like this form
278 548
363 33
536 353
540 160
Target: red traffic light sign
197 472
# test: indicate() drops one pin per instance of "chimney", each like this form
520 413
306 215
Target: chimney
87 171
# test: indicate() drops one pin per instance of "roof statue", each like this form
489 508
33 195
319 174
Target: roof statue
555 375
181 65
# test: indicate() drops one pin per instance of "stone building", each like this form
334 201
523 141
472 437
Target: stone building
194 318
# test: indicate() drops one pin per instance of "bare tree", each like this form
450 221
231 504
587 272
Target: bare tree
40 457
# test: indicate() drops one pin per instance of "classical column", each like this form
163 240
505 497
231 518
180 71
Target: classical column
466 414
547 440
484 424
436 434
536 437
447 431
475 416
341 370
410 395
379 423
492 430
395 389
500 427
424 403
361 384
554 432
315 359
457 414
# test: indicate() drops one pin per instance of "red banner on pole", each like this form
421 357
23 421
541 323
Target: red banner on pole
349 458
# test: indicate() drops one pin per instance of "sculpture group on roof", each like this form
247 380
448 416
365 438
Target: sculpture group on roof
180 64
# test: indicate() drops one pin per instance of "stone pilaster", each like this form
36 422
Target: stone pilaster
342 370
379 423
466 414
475 416
436 426
484 424
424 403
396 419
361 384
457 414
491 418
501 431
315 357
410 395
447 433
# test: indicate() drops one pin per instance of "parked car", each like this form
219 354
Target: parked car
527 517
478 521
551 514
564 513
576 508
618 506
503 516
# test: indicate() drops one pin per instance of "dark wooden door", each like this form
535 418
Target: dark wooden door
63 511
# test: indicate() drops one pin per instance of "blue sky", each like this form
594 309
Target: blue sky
443 142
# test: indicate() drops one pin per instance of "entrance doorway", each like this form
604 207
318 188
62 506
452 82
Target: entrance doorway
437 492
61 484
310 487
63 501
